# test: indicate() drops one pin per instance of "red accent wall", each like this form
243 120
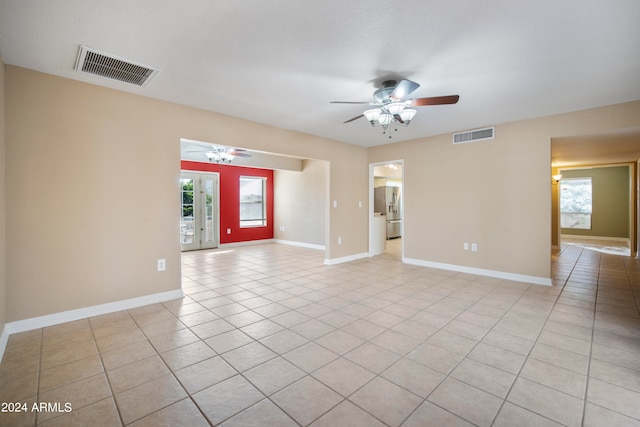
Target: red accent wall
230 200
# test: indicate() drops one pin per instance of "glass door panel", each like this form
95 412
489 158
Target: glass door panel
198 211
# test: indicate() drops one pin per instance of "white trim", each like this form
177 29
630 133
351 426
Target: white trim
348 258
546 281
4 338
245 243
300 244
83 313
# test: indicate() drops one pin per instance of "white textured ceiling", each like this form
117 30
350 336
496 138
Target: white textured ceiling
282 61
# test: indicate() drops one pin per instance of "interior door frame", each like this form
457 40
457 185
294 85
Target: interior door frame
371 203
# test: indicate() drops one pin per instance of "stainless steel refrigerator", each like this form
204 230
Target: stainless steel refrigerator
387 201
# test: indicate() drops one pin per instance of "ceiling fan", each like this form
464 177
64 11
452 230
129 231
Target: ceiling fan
391 105
220 154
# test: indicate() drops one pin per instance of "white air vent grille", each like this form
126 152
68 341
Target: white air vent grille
473 135
105 65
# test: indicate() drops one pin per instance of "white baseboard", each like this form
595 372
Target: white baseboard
300 244
82 313
246 243
334 261
546 281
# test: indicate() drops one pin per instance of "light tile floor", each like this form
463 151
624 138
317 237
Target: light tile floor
269 336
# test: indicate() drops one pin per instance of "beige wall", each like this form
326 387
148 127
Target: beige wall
496 193
3 247
300 203
92 174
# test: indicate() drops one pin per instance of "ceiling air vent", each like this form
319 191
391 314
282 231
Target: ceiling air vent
473 135
105 65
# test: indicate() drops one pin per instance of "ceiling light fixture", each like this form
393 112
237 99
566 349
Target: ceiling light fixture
390 113
220 155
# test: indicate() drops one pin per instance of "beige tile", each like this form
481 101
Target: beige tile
508 342
438 358
283 341
212 328
263 413
386 401
172 340
484 377
273 375
228 341
614 374
430 415
615 355
339 341
121 339
149 397
78 394
564 342
248 356
396 342
597 416
312 329
343 376
372 357
187 355
467 402
61 355
310 356
555 377
346 413
70 372
306 400
128 354
363 329
137 373
545 401
452 342
615 398
183 412
261 329
511 415
198 318
204 374
413 376
54 341
99 414
562 358
164 327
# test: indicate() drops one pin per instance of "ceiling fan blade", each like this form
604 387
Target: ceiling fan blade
434 100
349 102
239 154
403 89
355 118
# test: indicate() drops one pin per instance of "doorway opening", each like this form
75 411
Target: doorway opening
199 226
386 208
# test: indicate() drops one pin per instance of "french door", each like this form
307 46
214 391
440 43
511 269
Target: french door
199 211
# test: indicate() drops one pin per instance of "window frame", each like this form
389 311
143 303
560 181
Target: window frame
582 218
253 222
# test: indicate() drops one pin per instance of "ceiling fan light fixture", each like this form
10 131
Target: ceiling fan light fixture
407 115
385 119
395 108
372 115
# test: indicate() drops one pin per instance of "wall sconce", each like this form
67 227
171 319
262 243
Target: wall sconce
556 178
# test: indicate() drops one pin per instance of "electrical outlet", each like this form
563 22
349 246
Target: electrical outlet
282 228
162 264
360 204
339 240
474 247
335 203
228 231
466 246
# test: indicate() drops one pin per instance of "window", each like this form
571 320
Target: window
253 212
575 203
